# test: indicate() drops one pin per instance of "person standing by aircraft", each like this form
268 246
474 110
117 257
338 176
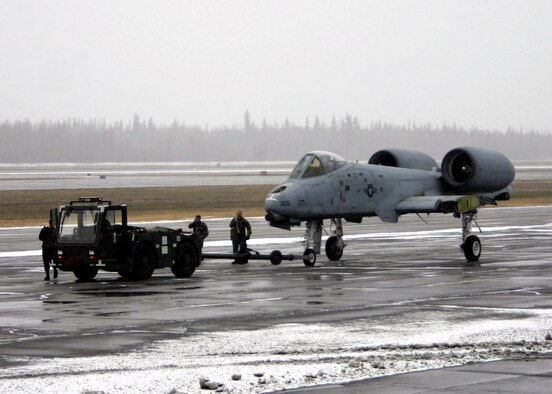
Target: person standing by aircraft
199 229
47 236
240 232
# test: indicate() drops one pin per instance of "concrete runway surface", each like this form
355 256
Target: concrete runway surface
109 175
402 299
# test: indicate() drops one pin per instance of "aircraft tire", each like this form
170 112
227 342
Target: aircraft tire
185 260
332 251
309 257
276 257
472 248
86 273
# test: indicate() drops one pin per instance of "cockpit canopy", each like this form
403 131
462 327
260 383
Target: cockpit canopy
317 163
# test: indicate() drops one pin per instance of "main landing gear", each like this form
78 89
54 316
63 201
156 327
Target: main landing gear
335 243
313 240
471 244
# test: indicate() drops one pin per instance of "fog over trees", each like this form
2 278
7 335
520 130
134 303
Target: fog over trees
142 140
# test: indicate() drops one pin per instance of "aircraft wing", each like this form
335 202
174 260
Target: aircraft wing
441 204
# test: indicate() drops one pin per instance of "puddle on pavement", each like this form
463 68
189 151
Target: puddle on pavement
241 284
331 277
105 314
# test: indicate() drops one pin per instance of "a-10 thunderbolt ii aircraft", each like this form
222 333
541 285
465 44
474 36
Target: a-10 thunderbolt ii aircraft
394 182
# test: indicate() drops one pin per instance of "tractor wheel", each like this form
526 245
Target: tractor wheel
186 260
143 262
125 275
85 273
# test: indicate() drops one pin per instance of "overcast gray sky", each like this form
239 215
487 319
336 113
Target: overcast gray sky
476 63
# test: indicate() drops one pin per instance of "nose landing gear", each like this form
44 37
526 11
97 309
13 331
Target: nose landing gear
313 240
309 257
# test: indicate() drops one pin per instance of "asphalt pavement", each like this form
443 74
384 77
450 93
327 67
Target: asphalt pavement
528 376
402 299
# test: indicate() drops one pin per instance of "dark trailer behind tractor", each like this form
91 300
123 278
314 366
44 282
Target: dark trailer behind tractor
93 234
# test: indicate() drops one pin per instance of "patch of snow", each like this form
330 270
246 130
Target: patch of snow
294 355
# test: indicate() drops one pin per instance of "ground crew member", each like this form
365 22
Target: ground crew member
199 229
47 236
240 231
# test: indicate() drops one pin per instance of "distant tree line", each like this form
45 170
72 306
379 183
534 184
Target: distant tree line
78 140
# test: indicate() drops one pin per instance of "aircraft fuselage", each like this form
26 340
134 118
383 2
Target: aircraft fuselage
354 190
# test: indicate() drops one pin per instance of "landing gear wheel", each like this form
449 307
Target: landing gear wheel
276 257
186 260
333 252
472 248
309 257
85 273
143 258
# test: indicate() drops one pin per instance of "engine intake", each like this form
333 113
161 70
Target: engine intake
403 158
469 169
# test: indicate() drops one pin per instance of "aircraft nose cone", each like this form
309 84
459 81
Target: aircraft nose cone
271 203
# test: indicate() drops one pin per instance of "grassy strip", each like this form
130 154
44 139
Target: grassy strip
529 193
31 207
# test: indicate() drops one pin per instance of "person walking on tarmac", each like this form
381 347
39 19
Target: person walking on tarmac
199 229
240 232
47 236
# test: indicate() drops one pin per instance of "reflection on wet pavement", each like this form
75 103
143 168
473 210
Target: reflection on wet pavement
392 305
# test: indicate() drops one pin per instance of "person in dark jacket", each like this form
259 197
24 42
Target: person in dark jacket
199 229
47 236
240 232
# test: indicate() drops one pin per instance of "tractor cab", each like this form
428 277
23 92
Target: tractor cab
89 233
92 233
82 221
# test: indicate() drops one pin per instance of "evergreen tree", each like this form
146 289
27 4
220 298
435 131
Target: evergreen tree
333 127
246 121
316 125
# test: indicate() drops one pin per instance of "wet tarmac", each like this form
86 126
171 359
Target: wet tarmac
402 299
529 376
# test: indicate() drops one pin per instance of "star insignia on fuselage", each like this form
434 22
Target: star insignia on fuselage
370 191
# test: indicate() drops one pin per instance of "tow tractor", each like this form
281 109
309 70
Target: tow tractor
93 234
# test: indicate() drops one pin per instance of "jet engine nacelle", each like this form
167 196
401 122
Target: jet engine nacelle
476 170
403 158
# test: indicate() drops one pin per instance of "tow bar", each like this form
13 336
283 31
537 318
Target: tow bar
275 257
